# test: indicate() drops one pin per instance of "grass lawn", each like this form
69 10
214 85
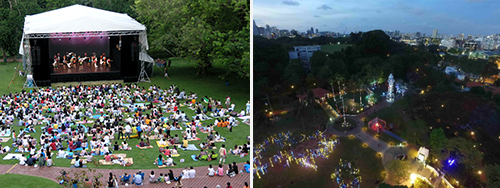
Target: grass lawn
331 48
349 149
18 181
183 74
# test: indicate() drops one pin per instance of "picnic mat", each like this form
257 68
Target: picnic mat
6 134
104 162
4 139
190 147
73 161
161 146
194 139
12 156
194 157
73 166
145 147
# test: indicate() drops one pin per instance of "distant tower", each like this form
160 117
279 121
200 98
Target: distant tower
312 30
255 29
434 33
390 94
317 31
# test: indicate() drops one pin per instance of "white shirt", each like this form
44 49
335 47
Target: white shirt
128 129
185 174
192 173
22 160
211 171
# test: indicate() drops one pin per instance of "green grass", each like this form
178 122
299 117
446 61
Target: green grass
7 72
18 181
349 149
332 48
183 74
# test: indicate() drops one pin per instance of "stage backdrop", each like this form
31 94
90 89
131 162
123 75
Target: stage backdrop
80 46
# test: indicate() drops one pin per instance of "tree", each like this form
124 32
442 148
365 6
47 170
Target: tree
463 151
490 69
493 175
293 71
438 139
207 32
400 170
415 131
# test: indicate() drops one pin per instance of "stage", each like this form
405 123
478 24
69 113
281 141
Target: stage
87 67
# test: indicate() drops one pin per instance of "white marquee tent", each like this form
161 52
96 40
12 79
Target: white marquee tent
83 21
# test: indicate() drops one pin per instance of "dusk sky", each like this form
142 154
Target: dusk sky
471 17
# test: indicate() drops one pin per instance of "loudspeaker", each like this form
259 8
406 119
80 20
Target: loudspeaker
33 56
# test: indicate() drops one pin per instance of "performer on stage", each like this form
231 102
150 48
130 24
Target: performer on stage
55 61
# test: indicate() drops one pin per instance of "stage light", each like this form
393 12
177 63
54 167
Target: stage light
70 38
84 38
101 37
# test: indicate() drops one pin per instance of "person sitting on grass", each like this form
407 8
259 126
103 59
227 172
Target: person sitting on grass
159 161
170 162
202 152
125 146
162 142
50 162
141 143
107 157
78 163
116 147
147 142
185 143
174 151
167 152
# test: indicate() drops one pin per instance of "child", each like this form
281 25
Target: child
161 178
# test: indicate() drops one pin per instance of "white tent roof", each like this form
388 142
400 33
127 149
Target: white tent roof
78 18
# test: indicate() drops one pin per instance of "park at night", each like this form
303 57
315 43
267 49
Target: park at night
368 111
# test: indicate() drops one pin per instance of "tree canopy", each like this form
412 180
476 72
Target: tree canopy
208 32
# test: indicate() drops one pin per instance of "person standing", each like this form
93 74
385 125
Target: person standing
223 154
128 130
169 63
166 72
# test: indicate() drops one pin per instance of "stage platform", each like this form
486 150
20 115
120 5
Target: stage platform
87 83
82 77
84 68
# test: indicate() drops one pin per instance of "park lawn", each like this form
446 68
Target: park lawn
183 75
7 72
21 181
332 48
365 159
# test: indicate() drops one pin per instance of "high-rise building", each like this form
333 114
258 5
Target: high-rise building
255 29
435 33
304 53
418 34
312 30
460 36
317 31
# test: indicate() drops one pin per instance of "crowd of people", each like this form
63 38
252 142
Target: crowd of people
79 122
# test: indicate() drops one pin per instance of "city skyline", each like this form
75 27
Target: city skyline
448 17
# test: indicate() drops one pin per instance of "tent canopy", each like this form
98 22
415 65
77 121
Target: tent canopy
79 18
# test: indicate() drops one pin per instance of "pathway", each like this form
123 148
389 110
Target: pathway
200 181
378 145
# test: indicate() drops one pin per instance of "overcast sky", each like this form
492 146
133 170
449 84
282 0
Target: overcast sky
471 17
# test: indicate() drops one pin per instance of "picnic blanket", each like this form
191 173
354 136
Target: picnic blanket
7 134
128 160
12 156
175 129
73 166
194 139
145 147
190 147
194 157
79 149
73 161
84 122
161 146
4 139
